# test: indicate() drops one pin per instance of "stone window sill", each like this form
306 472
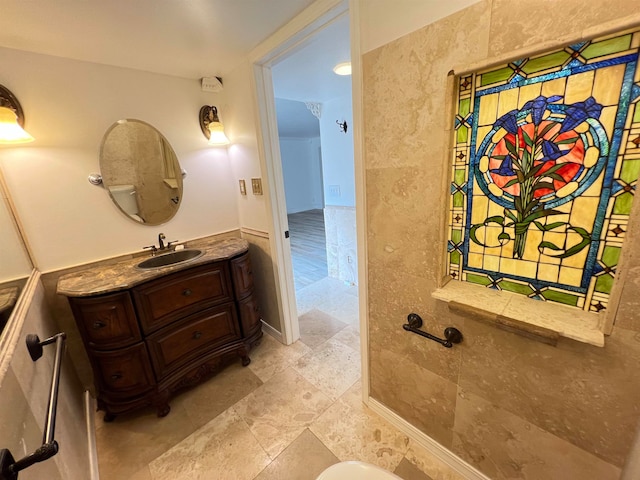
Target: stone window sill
541 321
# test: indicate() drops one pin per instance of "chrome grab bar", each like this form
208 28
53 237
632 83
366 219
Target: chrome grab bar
9 468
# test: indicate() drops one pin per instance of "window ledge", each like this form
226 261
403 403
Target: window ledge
541 321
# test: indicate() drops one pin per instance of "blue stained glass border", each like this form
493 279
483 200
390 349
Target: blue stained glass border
624 102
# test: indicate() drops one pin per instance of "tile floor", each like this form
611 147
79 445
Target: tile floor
290 414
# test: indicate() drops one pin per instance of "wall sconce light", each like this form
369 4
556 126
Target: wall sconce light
11 120
342 125
211 126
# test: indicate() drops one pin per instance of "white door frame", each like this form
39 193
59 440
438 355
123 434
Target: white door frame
283 43
280 45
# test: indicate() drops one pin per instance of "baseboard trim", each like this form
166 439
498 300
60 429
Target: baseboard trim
272 331
443 454
89 416
254 232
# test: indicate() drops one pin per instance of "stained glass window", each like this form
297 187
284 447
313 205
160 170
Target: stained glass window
545 162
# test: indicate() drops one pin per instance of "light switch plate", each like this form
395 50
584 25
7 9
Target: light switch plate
256 186
243 187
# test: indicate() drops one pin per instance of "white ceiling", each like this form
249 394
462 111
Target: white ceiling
185 38
307 74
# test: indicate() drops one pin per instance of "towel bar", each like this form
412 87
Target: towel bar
452 335
9 468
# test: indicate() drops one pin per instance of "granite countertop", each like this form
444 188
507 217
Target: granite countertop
122 275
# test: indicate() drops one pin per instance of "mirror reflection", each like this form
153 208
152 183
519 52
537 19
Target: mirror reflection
141 172
15 262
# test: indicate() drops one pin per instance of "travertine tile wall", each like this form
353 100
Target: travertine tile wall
340 230
24 393
512 407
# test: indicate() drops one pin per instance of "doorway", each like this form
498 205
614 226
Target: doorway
302 32
313 111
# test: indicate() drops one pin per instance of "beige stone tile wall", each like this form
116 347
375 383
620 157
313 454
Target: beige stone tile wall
512 407
340 229
24 393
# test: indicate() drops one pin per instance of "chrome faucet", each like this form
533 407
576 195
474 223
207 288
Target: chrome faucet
161 238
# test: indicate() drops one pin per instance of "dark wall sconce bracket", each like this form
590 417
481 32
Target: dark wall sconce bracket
8 99
451 334
342 125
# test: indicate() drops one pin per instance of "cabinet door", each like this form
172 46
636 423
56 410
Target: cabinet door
249 316
106 322
200 334
123 373
242 275
175 296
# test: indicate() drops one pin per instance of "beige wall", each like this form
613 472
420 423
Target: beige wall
24 393
510 406
68 106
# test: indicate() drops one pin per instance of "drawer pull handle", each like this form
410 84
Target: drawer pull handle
116 376
97 325
187 292
197 335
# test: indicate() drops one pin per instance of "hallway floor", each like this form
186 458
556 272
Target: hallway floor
290 414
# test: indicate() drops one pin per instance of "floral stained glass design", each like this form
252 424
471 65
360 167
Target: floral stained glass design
545 163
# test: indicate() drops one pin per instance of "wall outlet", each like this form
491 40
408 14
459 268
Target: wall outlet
256 186
334 190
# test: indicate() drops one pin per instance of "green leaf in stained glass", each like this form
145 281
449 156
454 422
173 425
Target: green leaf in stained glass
462 134
455 257
610 256
458 177
604 283
463 108
622 205
479 279
456 236
547 61
560 297
516 287
458 199
496 76
630 170
636 115
607 47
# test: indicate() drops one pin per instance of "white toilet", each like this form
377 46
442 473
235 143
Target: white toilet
353 470
125 197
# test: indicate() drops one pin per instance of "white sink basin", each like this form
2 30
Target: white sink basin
356 471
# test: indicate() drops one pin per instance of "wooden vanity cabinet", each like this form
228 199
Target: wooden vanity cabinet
168 333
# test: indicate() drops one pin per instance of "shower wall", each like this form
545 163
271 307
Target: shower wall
509 405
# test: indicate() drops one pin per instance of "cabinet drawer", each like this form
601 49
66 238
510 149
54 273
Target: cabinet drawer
249 316
125 372
242 275
106 322
163 301
174 346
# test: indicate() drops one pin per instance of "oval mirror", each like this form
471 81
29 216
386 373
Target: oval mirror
141 172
